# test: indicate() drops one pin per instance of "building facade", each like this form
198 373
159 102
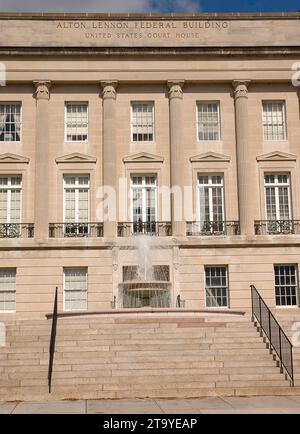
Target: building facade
132 143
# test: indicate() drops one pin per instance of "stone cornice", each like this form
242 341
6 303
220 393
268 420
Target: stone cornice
153 51
148 16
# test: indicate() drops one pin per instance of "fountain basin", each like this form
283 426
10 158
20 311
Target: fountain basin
147 285
145 293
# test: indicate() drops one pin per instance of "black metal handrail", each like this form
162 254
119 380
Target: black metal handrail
75 230
127 229
16 230
278 340
276 227
213 227
52 341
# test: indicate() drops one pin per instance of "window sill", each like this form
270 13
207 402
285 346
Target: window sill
219 141
76 141
284 141
146 142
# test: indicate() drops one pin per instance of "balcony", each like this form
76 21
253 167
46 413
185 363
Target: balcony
16 230
213 228
75 230
276 227
159 229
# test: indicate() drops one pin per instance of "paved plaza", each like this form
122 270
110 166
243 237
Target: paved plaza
214 405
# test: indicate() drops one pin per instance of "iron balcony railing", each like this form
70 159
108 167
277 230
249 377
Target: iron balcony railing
160 229
213 228
279 342
16 230
276 227
75 230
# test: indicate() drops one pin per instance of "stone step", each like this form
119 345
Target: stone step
252 383
171 349
247 370
84 392
116 343
248 362
134 356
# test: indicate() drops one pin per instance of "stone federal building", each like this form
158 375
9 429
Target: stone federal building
188 123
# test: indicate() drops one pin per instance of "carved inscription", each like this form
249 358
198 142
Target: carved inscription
149 30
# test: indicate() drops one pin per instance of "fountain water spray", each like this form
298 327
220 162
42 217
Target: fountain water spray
150 286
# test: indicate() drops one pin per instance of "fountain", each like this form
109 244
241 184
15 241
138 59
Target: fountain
146 284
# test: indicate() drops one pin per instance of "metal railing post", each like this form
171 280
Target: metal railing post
280 348
259 309
270 333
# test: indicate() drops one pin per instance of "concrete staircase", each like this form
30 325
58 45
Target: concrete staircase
139 355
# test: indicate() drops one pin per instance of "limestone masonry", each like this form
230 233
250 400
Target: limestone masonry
147 160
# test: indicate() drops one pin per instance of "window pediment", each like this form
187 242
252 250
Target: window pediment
276 156
76 157
210 157
143 157
13 158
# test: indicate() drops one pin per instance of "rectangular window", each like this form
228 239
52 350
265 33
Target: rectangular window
10 199
216 287
76 122
277 193
144 198
76 200
274 125
286 285
10 122
211 202
142 122
208 121
76 205
7 290
75 289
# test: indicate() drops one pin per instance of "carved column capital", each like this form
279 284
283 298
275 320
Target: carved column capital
240 88
175 88
109 89
42 89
